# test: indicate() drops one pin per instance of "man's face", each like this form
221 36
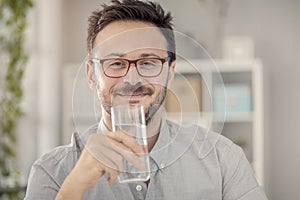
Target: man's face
130 40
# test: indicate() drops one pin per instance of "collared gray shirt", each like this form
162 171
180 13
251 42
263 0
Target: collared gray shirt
187 162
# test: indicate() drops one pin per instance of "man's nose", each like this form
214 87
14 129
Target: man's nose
132 77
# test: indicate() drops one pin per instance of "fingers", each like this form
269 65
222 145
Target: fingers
127 141
101 164
112 172
127 147
109 149
126 153
113 175
108 157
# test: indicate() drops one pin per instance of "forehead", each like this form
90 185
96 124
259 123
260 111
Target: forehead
122 37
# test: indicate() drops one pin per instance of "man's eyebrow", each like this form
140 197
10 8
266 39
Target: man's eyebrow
149 55
143 55
115 55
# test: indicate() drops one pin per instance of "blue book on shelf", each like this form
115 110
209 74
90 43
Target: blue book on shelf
238 98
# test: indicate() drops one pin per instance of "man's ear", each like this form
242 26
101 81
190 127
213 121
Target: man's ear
171 73
90 74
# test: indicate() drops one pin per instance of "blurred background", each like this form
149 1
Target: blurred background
260 30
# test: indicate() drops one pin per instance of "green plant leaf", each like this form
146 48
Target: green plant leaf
13 24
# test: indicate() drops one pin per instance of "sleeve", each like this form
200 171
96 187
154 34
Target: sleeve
239 182
41 185
49 172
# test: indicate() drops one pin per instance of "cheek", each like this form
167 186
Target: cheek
160 81
105 84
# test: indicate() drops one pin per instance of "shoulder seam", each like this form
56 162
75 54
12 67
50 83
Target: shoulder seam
238 163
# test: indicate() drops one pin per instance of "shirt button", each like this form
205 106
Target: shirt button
139 188
162 165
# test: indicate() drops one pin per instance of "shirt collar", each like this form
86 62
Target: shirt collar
159 152
102 126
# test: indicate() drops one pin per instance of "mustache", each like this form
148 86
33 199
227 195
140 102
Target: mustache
130 89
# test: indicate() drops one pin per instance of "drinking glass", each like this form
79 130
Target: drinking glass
131 120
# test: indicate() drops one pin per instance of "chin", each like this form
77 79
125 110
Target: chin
119 100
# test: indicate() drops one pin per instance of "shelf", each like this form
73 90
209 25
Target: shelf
242 116
237 117
193 66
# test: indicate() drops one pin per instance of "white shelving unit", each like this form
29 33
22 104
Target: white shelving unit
244 128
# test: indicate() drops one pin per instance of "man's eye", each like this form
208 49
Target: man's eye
117 64
149 63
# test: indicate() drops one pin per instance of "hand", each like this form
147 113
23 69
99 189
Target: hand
104 153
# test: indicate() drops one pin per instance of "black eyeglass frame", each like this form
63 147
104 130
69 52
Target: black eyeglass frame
101 61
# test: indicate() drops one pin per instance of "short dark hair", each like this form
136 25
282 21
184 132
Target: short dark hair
136 10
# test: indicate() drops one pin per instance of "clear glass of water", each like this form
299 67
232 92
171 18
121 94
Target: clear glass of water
131 120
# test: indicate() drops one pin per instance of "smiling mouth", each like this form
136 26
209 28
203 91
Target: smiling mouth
134 95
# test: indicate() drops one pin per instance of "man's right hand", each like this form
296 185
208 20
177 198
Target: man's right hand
104 153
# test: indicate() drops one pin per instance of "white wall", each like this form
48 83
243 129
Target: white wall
74 28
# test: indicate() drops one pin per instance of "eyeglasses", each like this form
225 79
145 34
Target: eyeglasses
119 67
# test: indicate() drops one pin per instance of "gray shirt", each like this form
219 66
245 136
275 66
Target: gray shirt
187 162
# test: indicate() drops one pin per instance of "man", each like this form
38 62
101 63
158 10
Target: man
185 162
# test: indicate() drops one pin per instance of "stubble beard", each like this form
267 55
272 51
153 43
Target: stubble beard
150 111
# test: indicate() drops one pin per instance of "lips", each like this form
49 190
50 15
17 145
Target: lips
133 92
133 95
